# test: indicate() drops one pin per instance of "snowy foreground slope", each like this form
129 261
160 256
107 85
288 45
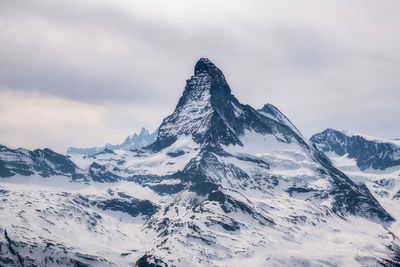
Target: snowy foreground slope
222 185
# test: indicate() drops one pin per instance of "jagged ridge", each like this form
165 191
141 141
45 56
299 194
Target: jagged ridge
230 180
377 154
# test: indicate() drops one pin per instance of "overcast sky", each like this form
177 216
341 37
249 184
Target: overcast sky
86 72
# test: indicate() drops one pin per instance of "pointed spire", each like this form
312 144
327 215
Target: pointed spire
204 65
143 132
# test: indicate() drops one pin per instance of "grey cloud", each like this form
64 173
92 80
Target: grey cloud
322 64
149 61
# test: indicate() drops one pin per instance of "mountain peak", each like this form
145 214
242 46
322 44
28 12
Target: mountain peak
204 65
144 138
274 113
209 112
144 132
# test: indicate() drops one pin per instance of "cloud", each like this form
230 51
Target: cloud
33 120
325 64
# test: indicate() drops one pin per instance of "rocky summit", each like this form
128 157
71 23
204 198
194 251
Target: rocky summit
223 184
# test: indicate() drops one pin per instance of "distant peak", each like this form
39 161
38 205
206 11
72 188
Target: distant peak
269 107
204 65
143 132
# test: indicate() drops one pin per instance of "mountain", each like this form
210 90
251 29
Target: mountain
135 141
43 162
47 163
370 160
274 113
368 152
223 184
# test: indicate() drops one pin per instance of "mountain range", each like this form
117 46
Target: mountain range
144 138
218 184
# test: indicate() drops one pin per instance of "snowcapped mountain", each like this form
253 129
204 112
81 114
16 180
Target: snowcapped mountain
144 138
370 160
367 151
222 185
43 162
274 113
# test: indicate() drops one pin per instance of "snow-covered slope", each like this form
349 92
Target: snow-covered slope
43 162
274 113
135 141
54 222
370 160
222 185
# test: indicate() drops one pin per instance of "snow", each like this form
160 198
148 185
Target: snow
372 138
257 217
349 166
320 245
131 142
195 115
302 224
285 159
238 112
383 192
279 117
161 163
350 242
44 209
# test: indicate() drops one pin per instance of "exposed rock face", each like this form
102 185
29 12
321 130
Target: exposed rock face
221 184
368 153
43 162
212 115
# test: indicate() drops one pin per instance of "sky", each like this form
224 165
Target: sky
84 73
